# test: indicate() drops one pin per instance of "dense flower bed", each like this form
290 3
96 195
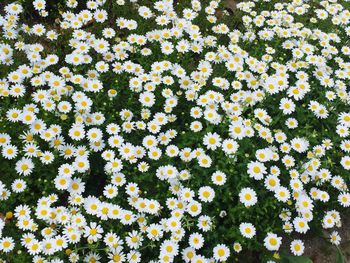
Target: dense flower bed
172 131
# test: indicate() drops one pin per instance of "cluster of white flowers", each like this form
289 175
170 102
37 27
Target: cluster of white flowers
166 106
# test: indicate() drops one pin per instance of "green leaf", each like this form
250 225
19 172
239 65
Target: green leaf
296 259
339 257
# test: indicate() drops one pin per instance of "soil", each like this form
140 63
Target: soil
319 250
